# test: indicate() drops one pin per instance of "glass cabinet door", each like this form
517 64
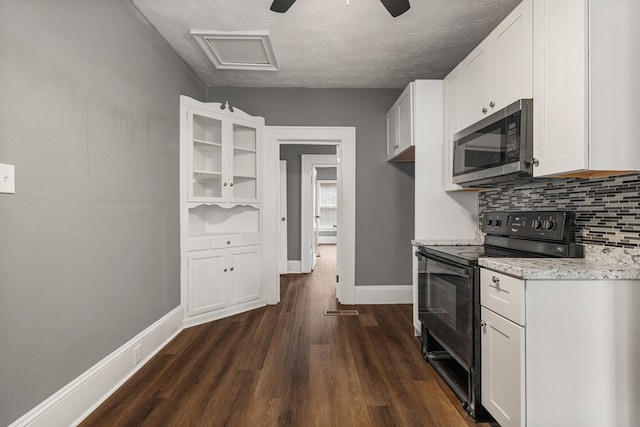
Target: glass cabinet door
207 162
244 163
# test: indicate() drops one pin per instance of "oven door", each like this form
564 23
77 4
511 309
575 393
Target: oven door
445 306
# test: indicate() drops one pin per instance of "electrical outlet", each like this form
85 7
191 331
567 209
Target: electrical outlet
7 178
136 354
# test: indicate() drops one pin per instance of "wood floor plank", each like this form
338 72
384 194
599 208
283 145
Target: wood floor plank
290 365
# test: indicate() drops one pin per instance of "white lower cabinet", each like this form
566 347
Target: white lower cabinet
502 369
221 278
560 352
244 276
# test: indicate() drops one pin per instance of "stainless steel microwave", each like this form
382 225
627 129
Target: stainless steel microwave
496 149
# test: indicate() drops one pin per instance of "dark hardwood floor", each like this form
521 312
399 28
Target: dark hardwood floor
290 365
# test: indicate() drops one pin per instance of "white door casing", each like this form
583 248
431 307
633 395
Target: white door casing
308 223
282 228
345 140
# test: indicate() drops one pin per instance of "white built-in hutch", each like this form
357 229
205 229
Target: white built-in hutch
220 210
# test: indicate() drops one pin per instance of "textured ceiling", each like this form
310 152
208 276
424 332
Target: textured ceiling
327 44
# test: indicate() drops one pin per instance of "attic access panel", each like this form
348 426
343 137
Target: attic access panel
238 50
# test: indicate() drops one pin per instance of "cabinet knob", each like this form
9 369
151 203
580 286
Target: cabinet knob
484 110
283 219
231 269
225 270
224 184
492 104
231 185
495 279
228 242
483 324
536 162
396 146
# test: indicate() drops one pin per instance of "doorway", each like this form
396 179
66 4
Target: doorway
310 215
343 138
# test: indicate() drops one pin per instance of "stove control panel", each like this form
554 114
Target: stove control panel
547 225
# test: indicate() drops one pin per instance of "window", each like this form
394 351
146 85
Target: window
327 203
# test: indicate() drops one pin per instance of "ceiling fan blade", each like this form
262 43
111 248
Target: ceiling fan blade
396 7
281 6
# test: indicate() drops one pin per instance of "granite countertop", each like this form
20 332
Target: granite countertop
600 263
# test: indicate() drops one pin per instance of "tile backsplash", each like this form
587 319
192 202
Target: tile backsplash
607 209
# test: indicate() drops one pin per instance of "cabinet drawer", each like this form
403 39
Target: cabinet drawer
503 295
225 242
199 244
251 239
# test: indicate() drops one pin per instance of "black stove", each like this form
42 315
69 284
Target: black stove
449 290
517 235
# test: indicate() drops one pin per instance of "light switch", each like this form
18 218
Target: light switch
7 178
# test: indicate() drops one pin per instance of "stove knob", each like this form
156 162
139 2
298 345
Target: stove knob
489 222
536 224
498 223
549 225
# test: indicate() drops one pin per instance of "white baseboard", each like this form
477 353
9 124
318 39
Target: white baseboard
75 401
400 294
223 312
294 267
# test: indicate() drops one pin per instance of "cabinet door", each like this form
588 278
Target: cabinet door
512 56
452 107
392 131
207 283
560 86
503 369
405 120
206 166
243 161
476 84
244 266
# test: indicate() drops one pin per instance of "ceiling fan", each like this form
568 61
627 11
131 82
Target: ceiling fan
394 7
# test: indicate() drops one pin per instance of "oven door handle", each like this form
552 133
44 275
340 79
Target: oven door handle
439 267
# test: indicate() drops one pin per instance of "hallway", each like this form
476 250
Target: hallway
290 365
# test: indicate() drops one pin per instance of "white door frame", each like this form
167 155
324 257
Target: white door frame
345 140
309 161
282 227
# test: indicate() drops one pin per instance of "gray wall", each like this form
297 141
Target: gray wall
384 191
292 153
327 174
89 246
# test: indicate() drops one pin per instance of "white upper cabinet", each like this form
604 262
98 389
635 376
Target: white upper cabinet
499 70
586 63
400 127
452 114
476 84
223 153
512 57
